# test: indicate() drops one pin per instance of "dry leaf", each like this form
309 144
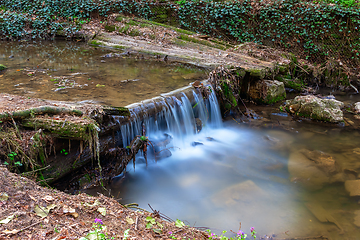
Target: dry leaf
67 209
41 211
4 196
48 198
129 220
94 204
74 214
15 231
7 220
32 198
102 211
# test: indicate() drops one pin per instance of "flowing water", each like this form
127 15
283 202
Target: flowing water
229 174
207 172
76 72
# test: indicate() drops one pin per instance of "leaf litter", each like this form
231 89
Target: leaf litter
29 211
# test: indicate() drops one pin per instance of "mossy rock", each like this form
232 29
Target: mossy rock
2 67
257 73
327 110
267 91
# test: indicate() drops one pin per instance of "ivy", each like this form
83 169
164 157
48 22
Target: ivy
316 30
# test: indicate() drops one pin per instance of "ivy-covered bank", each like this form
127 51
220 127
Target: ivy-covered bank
316 31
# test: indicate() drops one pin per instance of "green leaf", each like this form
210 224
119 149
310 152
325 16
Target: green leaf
160 225
149 225
158 231
150 219
179 223
102 211
7 220
143 138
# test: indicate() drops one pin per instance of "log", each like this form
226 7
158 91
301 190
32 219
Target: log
75 130
21 114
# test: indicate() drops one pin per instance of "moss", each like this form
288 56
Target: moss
240 72
119 47
95 43
2 67
120 111
229 95
134 33
124 29
257 73
275 99
110 28
179 30
202 42
60 128
119 18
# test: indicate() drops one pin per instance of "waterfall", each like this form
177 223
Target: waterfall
175 115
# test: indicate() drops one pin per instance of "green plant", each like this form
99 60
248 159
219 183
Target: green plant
63 151
151 224
12 156
240 235
98 231
126 233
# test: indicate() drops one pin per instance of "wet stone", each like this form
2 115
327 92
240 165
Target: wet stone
353 187
357 107
357 218
305 172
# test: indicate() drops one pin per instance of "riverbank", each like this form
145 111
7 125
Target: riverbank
29 211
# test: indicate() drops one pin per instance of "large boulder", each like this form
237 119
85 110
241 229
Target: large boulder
267 91
310 106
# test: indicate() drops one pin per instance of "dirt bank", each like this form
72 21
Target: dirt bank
72 216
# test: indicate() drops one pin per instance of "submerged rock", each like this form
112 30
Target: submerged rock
313 169
310 106
246 192
357 218
305 172
353 187
322 160
267 91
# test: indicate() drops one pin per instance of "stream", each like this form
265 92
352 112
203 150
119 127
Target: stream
226 174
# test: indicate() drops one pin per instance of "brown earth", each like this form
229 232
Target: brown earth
72 216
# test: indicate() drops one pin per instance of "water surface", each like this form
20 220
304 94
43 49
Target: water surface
75 72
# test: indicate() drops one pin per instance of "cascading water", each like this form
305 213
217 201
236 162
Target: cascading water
176 115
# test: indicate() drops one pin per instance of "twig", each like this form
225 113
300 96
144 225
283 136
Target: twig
40 169
136 223
26 228
16 128
301 68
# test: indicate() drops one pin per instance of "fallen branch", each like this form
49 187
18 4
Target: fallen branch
21 114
